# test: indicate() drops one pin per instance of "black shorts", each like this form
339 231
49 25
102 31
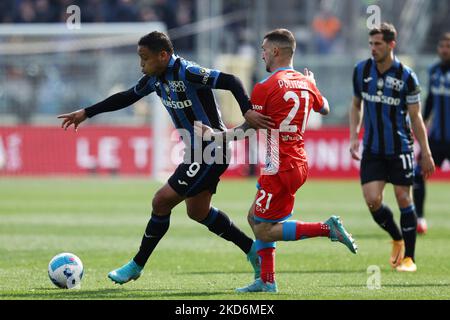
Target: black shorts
397 169
189 180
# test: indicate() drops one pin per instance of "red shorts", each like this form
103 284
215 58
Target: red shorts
276 194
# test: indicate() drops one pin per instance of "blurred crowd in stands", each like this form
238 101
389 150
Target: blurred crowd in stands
55 82
28 11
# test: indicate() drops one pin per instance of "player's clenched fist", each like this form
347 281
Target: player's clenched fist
74 118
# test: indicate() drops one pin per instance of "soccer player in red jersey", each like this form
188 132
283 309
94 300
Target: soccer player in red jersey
287 97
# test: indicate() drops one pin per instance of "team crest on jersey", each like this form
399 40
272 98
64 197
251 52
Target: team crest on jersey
177 86
380 83
394 83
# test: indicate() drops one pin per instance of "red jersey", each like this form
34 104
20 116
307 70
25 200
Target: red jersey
287 96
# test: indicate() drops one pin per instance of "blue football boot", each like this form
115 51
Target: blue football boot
259 286
338 233
128 272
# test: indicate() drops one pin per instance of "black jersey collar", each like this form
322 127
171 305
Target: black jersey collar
395 65
172 60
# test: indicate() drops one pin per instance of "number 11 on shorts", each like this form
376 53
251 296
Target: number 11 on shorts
407 161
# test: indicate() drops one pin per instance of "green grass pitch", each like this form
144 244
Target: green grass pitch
102 220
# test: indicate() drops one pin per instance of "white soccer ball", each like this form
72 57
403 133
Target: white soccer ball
65 270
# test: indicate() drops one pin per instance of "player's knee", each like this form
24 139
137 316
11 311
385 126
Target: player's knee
251 221
160 203
373 201
403 198
251 217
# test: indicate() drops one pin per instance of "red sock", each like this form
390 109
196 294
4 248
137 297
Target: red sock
267 257
305 230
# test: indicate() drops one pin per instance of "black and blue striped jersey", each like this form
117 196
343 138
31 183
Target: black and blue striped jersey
387 127
438 103
185 91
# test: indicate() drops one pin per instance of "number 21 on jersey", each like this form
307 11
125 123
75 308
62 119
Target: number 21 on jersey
261 198
286 125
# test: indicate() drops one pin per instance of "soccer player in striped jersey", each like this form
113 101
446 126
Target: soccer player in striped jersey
186 92
437 108
288 97
389 93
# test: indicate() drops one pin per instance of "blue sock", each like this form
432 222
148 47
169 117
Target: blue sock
289 230
264 245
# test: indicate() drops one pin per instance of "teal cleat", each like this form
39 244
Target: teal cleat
128 272
338 233
253 258
259 286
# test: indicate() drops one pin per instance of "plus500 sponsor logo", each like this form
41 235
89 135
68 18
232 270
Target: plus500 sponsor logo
383 99
177 104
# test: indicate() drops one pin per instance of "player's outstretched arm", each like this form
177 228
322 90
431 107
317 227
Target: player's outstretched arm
115 102
253 118
73 118
356 114
418 127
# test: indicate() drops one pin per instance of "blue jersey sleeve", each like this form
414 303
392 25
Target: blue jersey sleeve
356 84
202 77
145 86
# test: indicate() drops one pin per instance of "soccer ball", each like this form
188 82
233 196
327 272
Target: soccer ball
65 270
